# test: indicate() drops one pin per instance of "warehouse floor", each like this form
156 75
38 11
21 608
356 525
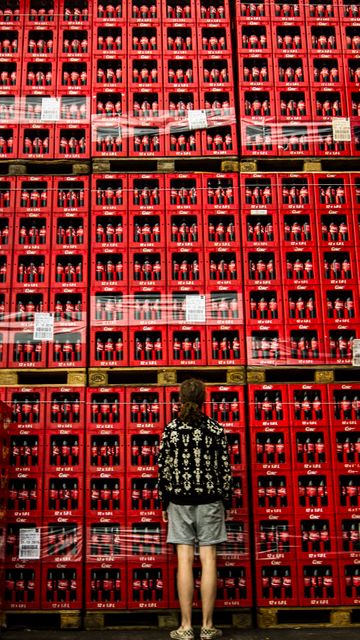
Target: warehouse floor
256 634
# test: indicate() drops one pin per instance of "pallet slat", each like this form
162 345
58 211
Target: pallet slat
34 377
165 165
287 617
61 619
167 376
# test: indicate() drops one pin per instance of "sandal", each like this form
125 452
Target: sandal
182 634
210 633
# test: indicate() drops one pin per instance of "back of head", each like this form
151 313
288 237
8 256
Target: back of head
192 396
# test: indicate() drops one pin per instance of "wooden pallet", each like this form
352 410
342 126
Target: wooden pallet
301 373
165 619
61 619
166 376
267 164
274 618
165 165
38 377
23 167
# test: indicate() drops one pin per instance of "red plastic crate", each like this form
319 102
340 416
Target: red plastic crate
69 306
324 143
106 541
109 193
308 406
226 405
221 138
324 38
63 497
39 76
34 194
276 583
105 409
108 138
187 345
72 141
147 308
180 141
349 577
142 495
340 306
109 270
146 192
63 451
275 538
144 40
355 193
351 71
109 306
317 541
289 37
105 454
295 192
40 41
4 347
335 229
147 232
223 267
348 545
255 39
30 234
220 191
68 348
325 71
11 535
109 73
300 267
6 231
293 104
297 229
71 195
69 233
108 104
180 71
23 500
22 585
5 269
36 141
109 14
291 71
318 584
24 303
5 313
148 346
61 587
337 265
350 40
265 345
69 268
345 447
146 142
225 345
338 343
268 405
65 408
31 268
172 403
221 229
144 74
224 306
74 76
12 15
186 274
313 492
295 139
343 407
105 496
11 42
144 409
304 344
215 72
258 192
237 546
25 452
145 540
260 229
28 406
317 14
148 267
144 12
253 12
7 194
332 191
346 492
270 449
37 15
329 104
258 103
261 268
75 42
263 305
148 587
63 542
259 138
311 451
255 72
215 15
302 305
184 229
355 136
288 13
108 346
183 192
142 449
105 588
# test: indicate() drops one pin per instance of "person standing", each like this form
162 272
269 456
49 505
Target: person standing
195 487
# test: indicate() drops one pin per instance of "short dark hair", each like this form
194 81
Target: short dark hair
192 397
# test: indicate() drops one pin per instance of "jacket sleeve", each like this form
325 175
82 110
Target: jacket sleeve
225 470
164 468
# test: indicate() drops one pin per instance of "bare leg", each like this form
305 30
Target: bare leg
185 582
208 583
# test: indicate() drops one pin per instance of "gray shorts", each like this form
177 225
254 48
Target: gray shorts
191 523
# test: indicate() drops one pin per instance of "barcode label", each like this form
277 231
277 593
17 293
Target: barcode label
356 353
44 326
29 544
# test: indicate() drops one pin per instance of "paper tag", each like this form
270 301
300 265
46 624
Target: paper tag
341 129
356 353
195 309
50 109
29 544
197 119
44 326
259 212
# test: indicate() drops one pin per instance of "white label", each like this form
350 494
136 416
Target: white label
197 119
258 212
50 109
356 353
341 129
29 544
44 326
195 309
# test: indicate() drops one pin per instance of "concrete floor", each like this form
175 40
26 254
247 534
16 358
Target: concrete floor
149 634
